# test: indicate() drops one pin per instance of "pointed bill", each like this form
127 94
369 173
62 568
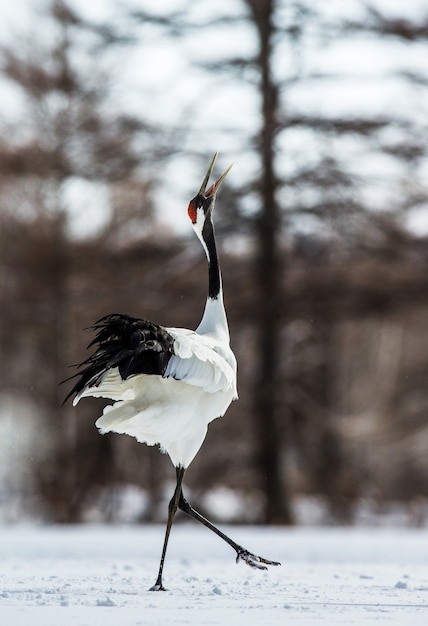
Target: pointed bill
215 186
207 175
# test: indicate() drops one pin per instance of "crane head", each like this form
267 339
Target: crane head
201 205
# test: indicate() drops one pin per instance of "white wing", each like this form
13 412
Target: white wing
203 361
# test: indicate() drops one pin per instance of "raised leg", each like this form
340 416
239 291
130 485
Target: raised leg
172 509
241 553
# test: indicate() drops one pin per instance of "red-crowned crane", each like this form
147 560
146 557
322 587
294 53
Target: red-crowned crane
168 384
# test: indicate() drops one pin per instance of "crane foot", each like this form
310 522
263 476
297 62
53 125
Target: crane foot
158 587
253 560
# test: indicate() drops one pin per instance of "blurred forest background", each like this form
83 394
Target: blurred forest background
323 233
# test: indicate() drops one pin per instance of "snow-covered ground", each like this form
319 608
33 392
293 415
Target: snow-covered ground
91 575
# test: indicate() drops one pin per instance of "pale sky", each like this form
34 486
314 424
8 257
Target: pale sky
159 79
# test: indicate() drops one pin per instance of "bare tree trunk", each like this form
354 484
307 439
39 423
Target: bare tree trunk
268 274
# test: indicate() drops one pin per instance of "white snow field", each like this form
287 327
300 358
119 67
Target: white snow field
98 575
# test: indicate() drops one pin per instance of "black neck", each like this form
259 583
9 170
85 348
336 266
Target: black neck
214 279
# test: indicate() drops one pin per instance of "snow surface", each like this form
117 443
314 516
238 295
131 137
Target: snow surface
97 575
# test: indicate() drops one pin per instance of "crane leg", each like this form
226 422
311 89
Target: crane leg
172 509
241 553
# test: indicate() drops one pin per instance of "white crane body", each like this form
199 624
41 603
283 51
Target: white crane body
173 410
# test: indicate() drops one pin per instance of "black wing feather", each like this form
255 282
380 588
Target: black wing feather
133 345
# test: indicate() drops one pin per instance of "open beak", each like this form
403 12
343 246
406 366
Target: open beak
209 193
